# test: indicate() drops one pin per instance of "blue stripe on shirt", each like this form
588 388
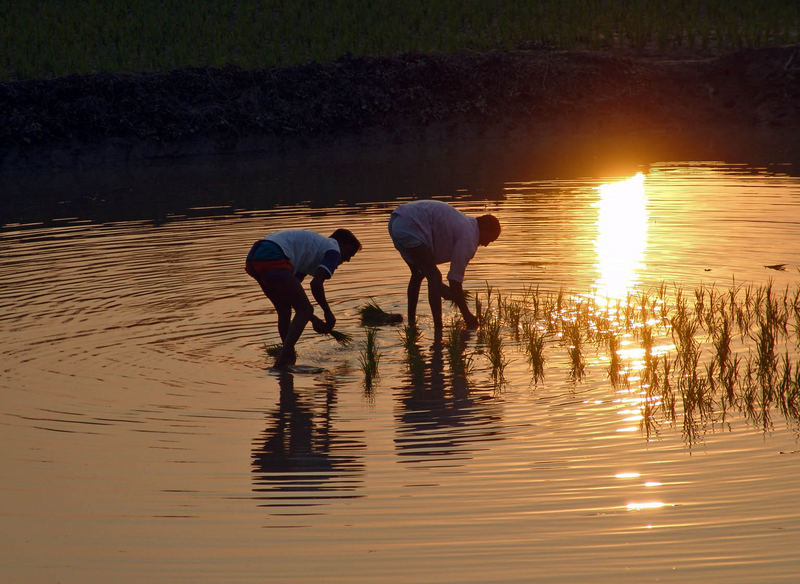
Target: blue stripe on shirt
330 261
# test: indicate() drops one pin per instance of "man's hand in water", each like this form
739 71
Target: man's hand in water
320 326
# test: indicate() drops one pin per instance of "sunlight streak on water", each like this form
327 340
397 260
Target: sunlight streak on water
621 236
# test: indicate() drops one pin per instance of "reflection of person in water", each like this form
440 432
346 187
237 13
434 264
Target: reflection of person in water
300 453
440 421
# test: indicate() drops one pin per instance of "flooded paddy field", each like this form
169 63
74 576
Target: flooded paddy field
628 411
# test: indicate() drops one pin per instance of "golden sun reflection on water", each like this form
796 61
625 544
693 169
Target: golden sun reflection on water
621 236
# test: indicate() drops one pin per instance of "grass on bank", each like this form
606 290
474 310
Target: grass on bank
51 38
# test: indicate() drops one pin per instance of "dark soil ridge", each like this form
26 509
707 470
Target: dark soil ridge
103 117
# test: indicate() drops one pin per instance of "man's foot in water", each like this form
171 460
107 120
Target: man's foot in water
286 359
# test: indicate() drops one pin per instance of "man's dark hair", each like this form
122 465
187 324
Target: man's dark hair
490 225
345 236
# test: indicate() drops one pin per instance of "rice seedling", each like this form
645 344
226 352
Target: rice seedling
534 348
373 315
342 338
512 314
460 362
530 299
667 393
648 424
784 383
765 352
683 378
792 402
369 358
273 350
410 336
574 341
722 342
614 366
483 312
493 339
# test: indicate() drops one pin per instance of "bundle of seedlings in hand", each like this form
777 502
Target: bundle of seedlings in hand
341 338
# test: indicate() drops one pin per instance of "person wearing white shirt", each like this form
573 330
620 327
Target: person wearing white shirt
280 261
429 232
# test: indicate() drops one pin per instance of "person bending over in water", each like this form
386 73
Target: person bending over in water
427 233
280 261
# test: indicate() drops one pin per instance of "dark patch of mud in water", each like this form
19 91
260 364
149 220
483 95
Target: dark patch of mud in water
361 129
189 111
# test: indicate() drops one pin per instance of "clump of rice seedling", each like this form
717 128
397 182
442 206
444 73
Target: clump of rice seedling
460 362
373 315
274 350
784 383
483 312
614 365
512 314
410 336
534 348
574 339
765 352
494 348
722 342
667 393
341 338
369 358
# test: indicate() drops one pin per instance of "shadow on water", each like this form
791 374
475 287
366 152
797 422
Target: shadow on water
301 460
441 419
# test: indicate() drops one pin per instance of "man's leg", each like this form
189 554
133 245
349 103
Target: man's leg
414 283
420 260
283 309
286 294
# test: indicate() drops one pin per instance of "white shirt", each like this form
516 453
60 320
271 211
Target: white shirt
447 232
307 250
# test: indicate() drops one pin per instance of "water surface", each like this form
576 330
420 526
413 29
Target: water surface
144 437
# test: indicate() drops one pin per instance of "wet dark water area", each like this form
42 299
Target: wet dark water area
465 160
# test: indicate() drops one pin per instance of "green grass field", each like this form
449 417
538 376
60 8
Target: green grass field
53 38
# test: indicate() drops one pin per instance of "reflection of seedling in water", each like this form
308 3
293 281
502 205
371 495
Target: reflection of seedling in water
374 315
369 358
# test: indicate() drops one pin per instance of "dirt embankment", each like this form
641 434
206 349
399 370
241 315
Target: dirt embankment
105 118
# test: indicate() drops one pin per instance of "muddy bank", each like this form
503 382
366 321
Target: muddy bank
104 119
